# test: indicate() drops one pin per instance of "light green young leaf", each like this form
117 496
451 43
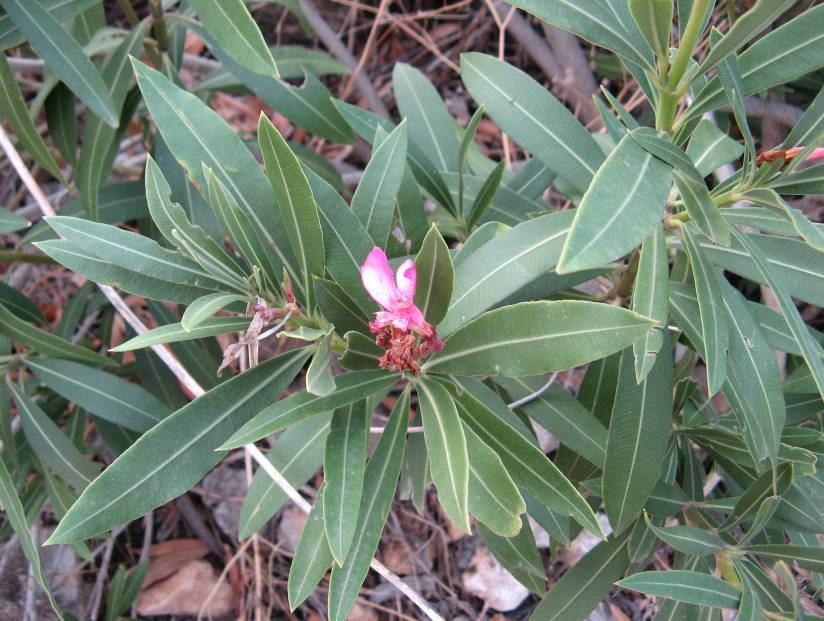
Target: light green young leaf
296 202
435 277
64 56
175 332
185 442
535 119
13 108
319 378
45 343
714 328
230 23
379 485
447 451
536 337
344 464
682 585
619 209
103 394
204 308
639 432
650 298
654 19
51 445
374 199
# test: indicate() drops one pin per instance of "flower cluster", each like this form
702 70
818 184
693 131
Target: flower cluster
400 327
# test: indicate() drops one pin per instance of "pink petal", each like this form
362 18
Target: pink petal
377 278
406 278
817 154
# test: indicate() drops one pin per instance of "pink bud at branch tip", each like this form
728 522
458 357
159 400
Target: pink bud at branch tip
395 293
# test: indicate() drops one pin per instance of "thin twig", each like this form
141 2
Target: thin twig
531 397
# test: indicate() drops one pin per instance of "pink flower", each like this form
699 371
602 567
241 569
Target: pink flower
395 293
790 154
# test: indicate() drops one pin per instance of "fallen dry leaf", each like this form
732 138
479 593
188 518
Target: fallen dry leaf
169 556
185 591
486 578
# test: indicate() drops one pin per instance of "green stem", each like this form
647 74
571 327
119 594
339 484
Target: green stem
10 256
159 26
689 40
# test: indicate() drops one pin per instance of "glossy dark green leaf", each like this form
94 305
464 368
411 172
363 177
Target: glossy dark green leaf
435 276
312 556
339 308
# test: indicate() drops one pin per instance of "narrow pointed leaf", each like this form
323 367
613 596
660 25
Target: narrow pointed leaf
204 308
175 332
447 451
537 337
650 298
619 209
435 276
344 464
185 442
319 378
312 556
682 585
379 485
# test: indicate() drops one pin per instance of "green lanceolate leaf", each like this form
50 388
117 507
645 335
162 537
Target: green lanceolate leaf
491 273
204 308
650 298
688 539
580 589
537 337
48 344
535 119
344 464
654 19
379 485
51 445
525 462
430 125
362 353
296 203
808 557
435 277
100 140
339 308
561 415
594 21
710 148
682 585
175 332
13 108
64 56
374 199
103 394
803 227
494 499
237 33
296 407
810 348
174 224
312 556
138 480
132 251
485 194
319 378
467 139
518 554
619 209
757 492
753 386
61 10
639 431
701 208
10 222
16 516
297 455
713 321
447 451
345 240
198 137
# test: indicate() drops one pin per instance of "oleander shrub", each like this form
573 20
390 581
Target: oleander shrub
670 287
